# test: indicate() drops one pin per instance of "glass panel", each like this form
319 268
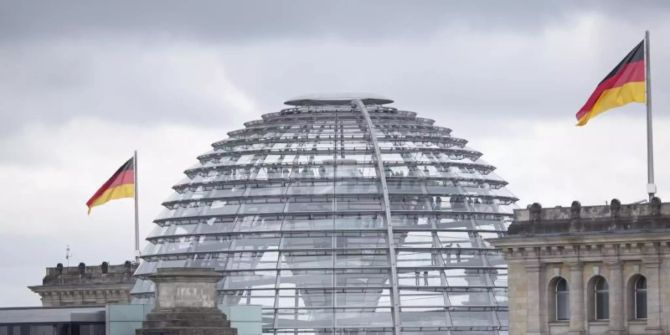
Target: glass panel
463 277
640 296
421 278
248 280
423 317
311 188
472 318
308 223
421 298
305 297
602 306
306 278
364 317
310 205
306 259
247 223
641 304
305 318
368 240
359 204
363 259
362 278
357 187
500 296
360 222
307 241
363 298
469 298
601 299
264 298
562 305
251 260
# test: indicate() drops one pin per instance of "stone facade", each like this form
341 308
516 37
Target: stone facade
613 259
86 285
186 304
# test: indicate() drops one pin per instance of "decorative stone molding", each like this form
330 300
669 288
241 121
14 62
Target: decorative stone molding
616 241
592 219
86 285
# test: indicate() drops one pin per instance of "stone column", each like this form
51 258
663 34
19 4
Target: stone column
616 293
652 273
533 320
576 296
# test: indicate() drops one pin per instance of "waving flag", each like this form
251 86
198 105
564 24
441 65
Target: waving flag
120 185
626 83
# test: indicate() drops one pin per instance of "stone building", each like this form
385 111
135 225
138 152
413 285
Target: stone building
86 285
589 270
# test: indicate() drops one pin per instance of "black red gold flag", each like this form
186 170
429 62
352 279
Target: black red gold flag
624 84
120 185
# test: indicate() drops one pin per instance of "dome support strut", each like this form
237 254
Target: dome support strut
395 295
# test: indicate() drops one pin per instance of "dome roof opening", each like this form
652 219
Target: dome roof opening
337 99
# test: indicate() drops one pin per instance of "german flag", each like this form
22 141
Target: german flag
623 85
120 185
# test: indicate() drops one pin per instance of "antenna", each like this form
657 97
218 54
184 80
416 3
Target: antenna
68 255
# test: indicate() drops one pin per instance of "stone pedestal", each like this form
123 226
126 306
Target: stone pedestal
186 304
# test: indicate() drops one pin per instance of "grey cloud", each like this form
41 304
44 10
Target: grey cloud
176 62
118 80
252 20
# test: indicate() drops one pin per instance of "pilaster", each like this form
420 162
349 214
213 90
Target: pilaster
616 294
533 320
576 296
652 268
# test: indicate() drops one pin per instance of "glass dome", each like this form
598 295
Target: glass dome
342 215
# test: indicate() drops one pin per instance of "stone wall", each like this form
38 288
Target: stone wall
619 244
86 285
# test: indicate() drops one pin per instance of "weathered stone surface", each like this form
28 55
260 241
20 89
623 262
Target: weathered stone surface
591 219
186 304
84 285
617 242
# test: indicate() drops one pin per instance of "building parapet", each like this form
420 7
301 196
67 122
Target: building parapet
84 274
614 217
84 285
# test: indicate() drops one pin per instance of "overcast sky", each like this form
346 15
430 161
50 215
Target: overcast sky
83 83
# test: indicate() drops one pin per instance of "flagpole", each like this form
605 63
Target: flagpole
651 187
137 213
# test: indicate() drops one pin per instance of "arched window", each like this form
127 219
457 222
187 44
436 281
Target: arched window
561 295
601 299
640 298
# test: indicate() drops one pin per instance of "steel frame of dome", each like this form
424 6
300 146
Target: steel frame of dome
294 210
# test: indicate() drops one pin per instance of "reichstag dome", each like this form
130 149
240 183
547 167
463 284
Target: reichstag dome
343 215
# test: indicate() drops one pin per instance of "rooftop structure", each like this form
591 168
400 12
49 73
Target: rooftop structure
589 270
88 320
615 218
86 285
341 214
337 99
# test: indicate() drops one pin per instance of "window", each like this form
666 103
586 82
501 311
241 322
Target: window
561 295
601 299
640 298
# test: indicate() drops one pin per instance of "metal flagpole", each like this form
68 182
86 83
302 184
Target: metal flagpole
651 187
137 213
